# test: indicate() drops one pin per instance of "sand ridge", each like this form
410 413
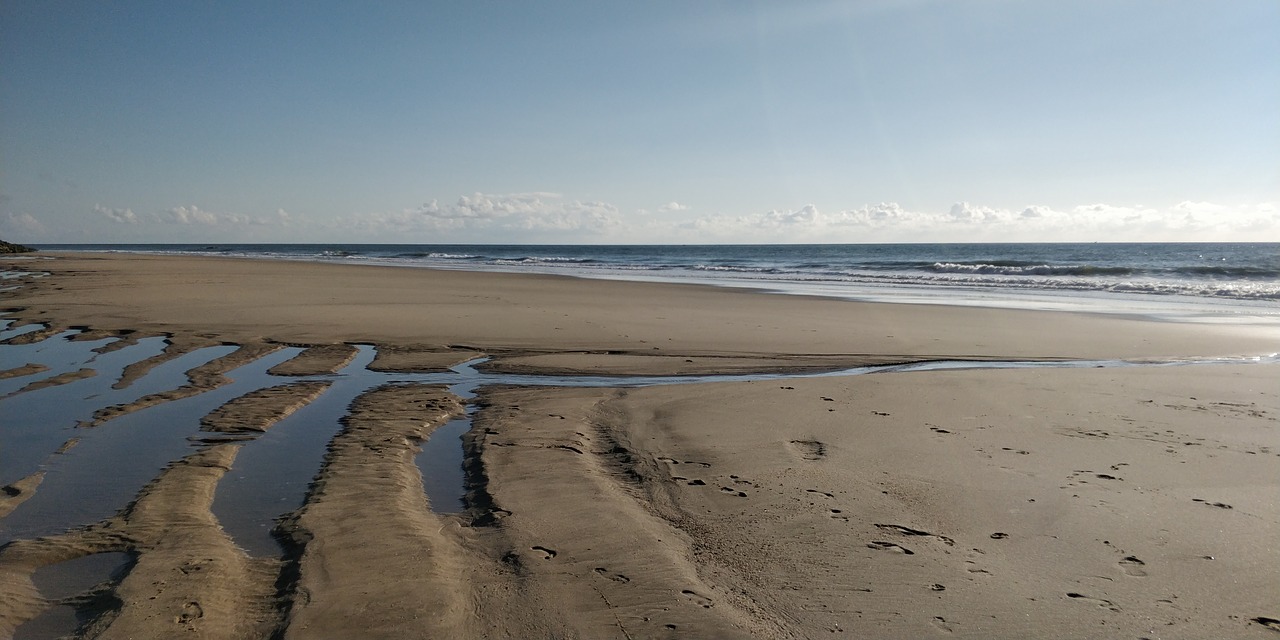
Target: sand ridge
256 411
369 482
199 379
316 360
30 368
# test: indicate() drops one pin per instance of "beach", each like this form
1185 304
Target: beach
1133 497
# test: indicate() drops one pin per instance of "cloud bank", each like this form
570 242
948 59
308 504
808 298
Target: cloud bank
507 218
968 222
544 217
192 215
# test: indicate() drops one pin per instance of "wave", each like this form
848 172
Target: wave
1248 273
1030 269
1149 286
729 268
544 260
435 255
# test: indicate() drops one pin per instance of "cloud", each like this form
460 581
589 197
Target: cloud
552 217
19 225
968 222
189 215
1188 206
196 223
529 212
525 211
123 216
876 216
194 215
963 212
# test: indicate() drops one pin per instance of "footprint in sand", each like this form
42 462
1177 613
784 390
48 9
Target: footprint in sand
889 546
1101 602
1220 505
616 577
733 492
547 554
1133 566
942 624
698 599
908 531
1270 623
190 611
809 449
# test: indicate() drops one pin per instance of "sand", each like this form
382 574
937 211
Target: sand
243 301
1087 503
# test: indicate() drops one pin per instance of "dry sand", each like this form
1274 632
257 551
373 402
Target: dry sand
1089 503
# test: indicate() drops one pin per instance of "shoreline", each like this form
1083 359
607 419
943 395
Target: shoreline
312 302
1073 502
952 275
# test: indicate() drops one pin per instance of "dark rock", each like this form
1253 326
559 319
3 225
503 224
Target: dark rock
9 247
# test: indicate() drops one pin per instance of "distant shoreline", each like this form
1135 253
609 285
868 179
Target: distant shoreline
1201 282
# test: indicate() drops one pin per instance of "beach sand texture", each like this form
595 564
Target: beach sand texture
1052 502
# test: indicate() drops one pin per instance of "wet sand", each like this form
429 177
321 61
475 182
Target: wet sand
1110 502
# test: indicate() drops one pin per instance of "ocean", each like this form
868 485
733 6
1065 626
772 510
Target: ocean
1208 282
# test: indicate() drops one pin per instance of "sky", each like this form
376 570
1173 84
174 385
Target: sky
653 122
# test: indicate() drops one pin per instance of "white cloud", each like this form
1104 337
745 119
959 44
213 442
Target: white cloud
963 212
194 215
552 217
124 216
529 212
1199 207
877 216
967 222
193 223
19 225
189 215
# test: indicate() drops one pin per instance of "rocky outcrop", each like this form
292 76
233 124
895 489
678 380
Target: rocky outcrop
9 247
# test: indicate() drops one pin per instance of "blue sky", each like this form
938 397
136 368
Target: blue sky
639 122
